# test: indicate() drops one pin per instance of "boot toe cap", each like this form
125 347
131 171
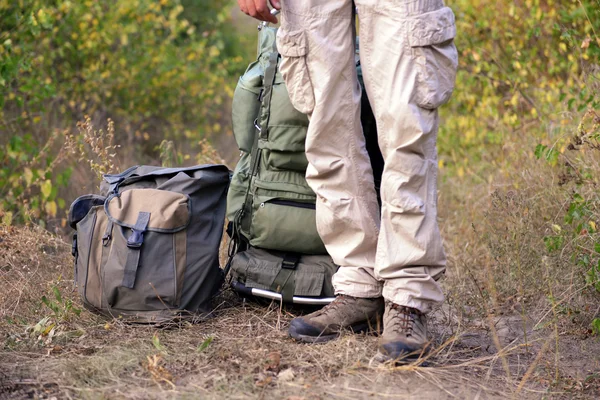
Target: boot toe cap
402 350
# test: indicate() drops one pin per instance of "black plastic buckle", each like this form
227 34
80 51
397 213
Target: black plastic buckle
290 261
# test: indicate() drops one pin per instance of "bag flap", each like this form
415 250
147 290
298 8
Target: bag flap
432 28
169 211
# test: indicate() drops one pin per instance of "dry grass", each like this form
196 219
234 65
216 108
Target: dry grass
242 352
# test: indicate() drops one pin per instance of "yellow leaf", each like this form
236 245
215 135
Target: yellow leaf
562 46
51 208
28 175
556 228
46 188
7 218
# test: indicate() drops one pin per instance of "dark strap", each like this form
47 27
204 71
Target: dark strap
261 124
285 282
75 254
134 243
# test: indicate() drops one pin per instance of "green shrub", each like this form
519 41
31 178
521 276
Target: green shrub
157 68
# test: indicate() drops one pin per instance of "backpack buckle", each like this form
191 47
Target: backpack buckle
136 239
290 261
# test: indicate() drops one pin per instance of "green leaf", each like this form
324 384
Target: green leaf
57 294
204 345
553 243
596 326
539 151
156 343
552 156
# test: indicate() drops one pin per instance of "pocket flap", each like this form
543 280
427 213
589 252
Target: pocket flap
291 44
432 28
169 211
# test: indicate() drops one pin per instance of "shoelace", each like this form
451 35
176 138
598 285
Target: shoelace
404 317
334 305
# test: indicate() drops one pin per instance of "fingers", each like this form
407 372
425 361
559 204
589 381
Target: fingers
276 4
242 5
258 9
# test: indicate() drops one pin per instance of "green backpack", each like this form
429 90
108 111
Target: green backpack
276 251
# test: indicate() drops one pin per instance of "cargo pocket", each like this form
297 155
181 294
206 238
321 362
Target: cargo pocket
293 47
435 56
142 269
285 225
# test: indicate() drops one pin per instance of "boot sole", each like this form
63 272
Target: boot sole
293 332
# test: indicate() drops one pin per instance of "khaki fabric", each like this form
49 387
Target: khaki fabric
409 65
168 210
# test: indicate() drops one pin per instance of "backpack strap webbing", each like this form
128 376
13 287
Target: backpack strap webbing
284 282
134 245
261 123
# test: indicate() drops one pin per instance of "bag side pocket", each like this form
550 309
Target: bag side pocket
89 255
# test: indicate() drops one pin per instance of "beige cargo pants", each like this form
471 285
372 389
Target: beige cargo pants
409 65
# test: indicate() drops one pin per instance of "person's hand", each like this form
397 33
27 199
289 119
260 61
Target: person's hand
259 9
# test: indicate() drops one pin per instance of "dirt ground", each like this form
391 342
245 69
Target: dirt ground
243 351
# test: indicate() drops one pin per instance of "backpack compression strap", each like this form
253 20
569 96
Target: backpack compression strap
284 282
261 123
134 245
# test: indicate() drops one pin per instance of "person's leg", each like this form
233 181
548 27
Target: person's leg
316 40
409 64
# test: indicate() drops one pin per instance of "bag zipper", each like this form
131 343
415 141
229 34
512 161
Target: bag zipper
291 203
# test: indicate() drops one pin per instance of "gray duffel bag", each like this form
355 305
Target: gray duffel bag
147 247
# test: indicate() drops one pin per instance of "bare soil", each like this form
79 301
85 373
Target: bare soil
243 351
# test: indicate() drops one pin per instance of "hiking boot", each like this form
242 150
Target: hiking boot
345 312
404 333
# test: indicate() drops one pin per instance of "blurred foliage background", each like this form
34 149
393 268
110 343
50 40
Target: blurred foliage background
159 69
163 72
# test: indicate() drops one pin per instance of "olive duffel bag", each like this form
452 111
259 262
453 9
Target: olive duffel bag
147 247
